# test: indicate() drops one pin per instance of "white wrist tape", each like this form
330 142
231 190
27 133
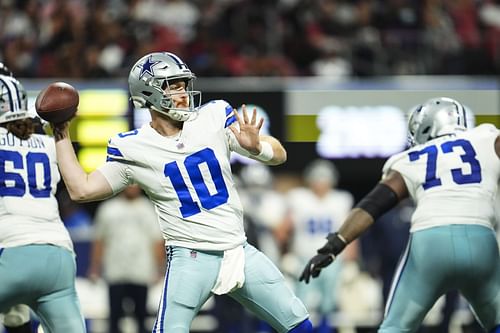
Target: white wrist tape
266 153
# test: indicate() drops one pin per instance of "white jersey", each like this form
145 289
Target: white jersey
314 218
29 175
188 178
453 179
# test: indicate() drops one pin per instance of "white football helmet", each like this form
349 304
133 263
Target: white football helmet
436 117
149 78
13 100
4 70
323 171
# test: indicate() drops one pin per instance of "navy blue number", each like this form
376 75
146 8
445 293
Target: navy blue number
458 175
469 157
319 226
18 187
192 163
32 159
430 175
12 184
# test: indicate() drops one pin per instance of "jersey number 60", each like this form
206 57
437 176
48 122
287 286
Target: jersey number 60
18 187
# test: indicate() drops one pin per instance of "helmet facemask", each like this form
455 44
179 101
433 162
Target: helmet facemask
149 82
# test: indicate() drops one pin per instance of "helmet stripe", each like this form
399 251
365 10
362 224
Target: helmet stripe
19 102
4 81
177 60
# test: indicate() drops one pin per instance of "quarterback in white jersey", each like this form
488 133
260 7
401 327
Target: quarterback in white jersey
37 262
452 175
187 177
181 160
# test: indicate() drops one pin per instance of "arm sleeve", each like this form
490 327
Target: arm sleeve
116 170
117 174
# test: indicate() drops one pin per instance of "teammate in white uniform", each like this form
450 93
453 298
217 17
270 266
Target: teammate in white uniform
17 318
315 211
181 160
37 262
452 174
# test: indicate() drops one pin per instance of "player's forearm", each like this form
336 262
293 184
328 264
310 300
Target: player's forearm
356 223
279 155
73 174
82 187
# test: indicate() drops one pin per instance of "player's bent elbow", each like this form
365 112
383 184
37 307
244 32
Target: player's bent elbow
82 195
79 196
278 158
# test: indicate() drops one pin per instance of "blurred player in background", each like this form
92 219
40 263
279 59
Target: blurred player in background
264 206
127 235
315 211
452 174
181 160
37 262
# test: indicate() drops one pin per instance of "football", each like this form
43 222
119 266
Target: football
57 103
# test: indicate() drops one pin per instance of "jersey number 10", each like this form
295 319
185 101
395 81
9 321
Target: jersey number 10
189 207
459 177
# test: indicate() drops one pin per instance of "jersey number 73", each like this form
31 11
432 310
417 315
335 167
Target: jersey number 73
458 175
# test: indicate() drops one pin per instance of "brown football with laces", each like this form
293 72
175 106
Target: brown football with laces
57 103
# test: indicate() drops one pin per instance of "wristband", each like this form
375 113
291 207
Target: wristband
336 243
266 152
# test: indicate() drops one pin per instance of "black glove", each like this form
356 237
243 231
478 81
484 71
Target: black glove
315 265
326 255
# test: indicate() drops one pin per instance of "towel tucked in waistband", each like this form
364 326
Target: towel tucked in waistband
232 271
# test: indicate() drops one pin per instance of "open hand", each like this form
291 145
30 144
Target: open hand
248 132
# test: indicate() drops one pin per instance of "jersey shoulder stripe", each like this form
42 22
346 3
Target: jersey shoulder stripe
220 111
230 117
116 150
113 153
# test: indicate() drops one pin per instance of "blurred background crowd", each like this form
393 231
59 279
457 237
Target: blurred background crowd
101 39
288 214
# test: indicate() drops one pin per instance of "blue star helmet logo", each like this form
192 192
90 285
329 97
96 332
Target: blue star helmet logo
147 67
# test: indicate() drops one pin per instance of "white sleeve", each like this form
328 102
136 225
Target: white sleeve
117 175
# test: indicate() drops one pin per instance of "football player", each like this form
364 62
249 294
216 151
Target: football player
452 175
181 160
37 262
17 318
316 210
